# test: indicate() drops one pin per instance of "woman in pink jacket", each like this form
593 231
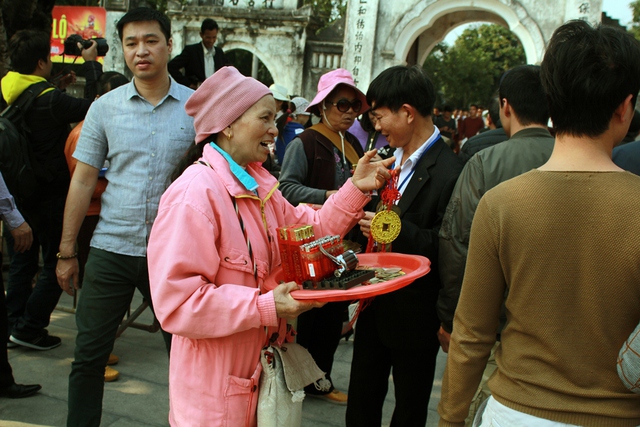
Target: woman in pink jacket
214 242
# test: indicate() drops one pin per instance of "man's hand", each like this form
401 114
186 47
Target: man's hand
444 337
365 223
286 306
90 53
23 237
67 272
63 82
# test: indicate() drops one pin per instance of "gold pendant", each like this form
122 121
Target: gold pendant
382 207
385 226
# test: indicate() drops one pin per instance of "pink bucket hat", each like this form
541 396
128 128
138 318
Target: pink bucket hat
329 81
221 99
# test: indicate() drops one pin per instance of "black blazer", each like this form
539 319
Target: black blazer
409 314
192 60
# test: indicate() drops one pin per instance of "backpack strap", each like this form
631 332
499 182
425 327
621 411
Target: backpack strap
15 114
24 101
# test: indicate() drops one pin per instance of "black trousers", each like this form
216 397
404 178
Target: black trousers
6 375
319 331
109 284
412 365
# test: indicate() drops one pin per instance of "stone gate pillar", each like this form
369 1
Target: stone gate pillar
359 40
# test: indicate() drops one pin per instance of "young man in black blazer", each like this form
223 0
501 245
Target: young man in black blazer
199 60
396 332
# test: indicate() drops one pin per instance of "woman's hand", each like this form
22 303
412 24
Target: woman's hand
369 174
286 306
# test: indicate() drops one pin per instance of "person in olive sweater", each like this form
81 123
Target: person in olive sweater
545 239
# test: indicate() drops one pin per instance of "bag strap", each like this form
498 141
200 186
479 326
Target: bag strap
23 103
242 227
349 151
15 114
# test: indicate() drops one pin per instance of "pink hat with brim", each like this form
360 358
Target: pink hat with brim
221 99
328 82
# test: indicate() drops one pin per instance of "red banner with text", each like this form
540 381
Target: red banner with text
87 22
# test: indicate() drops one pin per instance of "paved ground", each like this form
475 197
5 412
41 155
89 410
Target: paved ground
140 398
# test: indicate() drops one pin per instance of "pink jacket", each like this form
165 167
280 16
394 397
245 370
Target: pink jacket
204 291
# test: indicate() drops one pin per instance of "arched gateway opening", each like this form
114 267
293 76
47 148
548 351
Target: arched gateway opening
417 35
249 64
380 34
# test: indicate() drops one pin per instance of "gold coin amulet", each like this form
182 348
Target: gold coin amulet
385 226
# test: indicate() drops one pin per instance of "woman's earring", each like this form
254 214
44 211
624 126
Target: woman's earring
229 136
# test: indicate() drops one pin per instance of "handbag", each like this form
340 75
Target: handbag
286 369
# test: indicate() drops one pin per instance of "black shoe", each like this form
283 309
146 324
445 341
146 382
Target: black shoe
17 391
41 341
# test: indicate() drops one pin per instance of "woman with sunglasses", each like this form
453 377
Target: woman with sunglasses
316 164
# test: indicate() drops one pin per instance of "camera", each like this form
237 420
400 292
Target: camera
71 45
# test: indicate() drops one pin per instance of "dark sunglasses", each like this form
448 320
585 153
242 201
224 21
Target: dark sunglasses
343 105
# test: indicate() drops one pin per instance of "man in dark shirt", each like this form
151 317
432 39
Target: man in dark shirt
485 139
29 308
469 126
446 124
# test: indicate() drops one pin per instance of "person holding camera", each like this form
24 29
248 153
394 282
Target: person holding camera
29 308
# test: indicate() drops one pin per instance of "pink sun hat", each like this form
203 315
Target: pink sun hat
329 81
221 99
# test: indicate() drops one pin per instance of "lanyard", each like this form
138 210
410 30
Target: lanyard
415 164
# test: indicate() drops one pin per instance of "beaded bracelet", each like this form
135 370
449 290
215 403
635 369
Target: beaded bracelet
59 256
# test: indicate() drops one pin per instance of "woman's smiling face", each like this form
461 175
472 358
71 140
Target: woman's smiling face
252 133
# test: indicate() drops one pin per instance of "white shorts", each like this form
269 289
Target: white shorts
498 415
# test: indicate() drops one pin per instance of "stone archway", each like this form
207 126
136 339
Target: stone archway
437 19
380 34
257 58
277 39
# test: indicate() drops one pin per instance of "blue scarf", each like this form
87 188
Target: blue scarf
238 171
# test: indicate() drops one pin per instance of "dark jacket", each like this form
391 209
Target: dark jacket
409 315
192 60
49 120
480 142
526 150
627 156
309 167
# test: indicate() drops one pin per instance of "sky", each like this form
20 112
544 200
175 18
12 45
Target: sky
617 9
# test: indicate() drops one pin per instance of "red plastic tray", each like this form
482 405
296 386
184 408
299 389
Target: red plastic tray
414 266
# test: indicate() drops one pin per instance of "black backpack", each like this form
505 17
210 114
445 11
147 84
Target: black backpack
21 171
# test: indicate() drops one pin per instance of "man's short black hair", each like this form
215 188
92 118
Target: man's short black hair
587 73
400 85
26 48
447 109
472 106
208 25
522 87
145 14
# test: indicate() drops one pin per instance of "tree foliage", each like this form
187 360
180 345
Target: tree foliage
635 10
469 71
18 15
327 11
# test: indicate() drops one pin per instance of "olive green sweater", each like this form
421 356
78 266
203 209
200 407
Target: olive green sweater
566 248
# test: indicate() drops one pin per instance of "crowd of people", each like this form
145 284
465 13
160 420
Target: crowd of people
175 185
